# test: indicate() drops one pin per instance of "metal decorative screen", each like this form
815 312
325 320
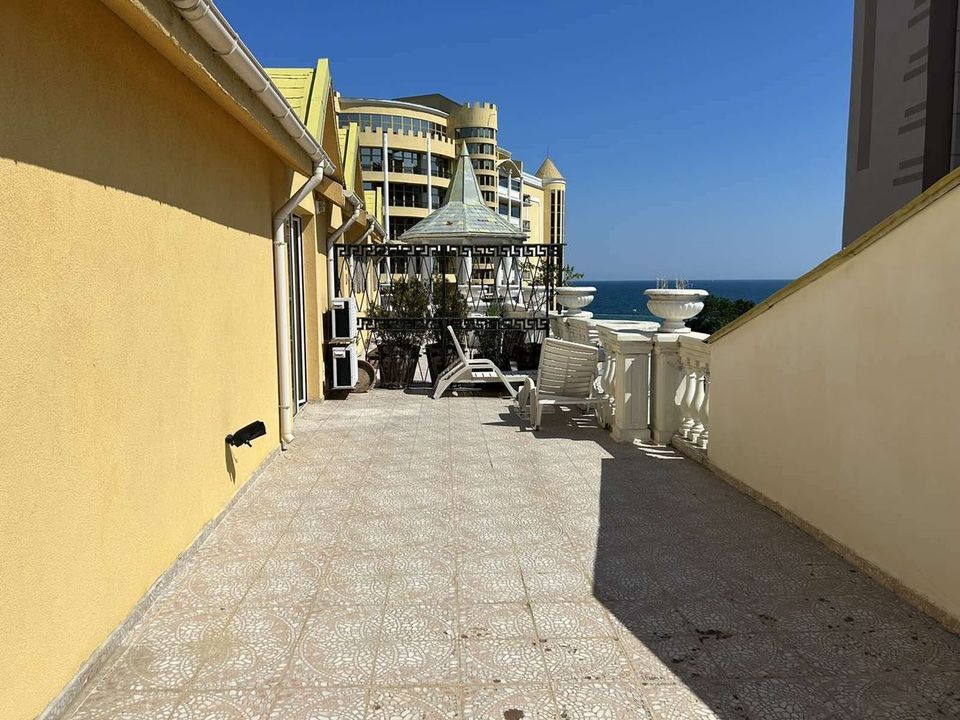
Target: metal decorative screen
496 297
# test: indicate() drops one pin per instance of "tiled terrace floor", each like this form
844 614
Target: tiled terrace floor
418 559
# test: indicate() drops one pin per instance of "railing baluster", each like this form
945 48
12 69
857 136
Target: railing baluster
704 438
689 390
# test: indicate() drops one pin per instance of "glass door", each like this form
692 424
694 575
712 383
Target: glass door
298 324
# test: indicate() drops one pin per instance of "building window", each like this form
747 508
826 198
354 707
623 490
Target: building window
481 148
402 124
489 196
371 158
407 161
475 132
407 195
509 209
440 166
479 164
486 180
438 194
399 225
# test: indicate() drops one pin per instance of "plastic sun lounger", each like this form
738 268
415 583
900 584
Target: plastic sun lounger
476 371
566 377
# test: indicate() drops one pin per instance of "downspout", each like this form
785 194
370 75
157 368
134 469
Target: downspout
357 203
281 292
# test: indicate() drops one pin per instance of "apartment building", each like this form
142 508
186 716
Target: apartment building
420 135
904 132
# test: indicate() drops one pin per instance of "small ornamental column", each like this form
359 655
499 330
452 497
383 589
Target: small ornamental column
631 383
666 375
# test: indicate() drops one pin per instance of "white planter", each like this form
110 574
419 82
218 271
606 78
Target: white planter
675 307
574 298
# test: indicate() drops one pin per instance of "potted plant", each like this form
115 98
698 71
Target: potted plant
674 305
490 342
573 298
449 308
398 348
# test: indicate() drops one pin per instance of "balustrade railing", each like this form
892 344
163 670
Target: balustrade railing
657 384
693 393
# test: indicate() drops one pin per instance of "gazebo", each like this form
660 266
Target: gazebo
464 220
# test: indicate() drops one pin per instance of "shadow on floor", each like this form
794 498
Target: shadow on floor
725 608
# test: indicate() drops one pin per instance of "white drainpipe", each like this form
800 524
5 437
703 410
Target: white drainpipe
282 303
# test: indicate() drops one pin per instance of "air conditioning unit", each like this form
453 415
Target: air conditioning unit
343 319
344 365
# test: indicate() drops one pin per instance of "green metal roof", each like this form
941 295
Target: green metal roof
463 217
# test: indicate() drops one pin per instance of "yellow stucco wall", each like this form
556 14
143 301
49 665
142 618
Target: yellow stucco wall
840 403
137 320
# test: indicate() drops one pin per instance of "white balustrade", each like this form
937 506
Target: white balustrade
693 392
626 381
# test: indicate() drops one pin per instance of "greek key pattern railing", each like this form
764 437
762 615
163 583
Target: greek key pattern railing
497 297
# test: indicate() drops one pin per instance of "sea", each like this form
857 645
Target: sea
624 299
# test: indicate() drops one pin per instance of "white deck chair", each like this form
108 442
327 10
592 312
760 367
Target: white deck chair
476 371
566 377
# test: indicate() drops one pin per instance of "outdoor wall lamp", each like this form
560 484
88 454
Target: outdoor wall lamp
244 435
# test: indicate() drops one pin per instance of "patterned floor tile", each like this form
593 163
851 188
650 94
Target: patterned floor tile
509 703
343 623
167 653
253 650
472 567
678 702
496 621
320 704
287 579
331 663
900 696
417 662
587 660
113 705
492 587
418 622
414 704
646 621
600 701
224 705
421 588
586 619
515 661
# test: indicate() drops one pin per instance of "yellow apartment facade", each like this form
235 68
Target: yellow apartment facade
420 136
166 216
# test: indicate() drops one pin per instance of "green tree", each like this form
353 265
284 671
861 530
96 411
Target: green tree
717 312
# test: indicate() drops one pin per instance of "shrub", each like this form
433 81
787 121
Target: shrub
717 312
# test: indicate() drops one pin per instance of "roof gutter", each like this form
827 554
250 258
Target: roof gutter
213 27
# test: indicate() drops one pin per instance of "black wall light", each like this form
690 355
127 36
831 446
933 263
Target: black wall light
244 435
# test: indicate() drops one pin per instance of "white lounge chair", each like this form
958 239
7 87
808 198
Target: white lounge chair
566 377
476 371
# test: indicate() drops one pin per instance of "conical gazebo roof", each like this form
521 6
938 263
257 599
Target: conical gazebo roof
464 218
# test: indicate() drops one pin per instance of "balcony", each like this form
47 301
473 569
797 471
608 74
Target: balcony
410 557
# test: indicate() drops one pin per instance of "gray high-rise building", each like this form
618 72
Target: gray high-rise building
904 117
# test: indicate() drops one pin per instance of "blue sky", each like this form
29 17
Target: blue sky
699 139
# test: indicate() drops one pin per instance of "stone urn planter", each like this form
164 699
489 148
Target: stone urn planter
573 298
675 307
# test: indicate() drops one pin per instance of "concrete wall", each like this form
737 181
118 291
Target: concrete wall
841 401
137 319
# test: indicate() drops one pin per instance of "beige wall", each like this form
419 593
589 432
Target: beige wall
137 320
841 403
